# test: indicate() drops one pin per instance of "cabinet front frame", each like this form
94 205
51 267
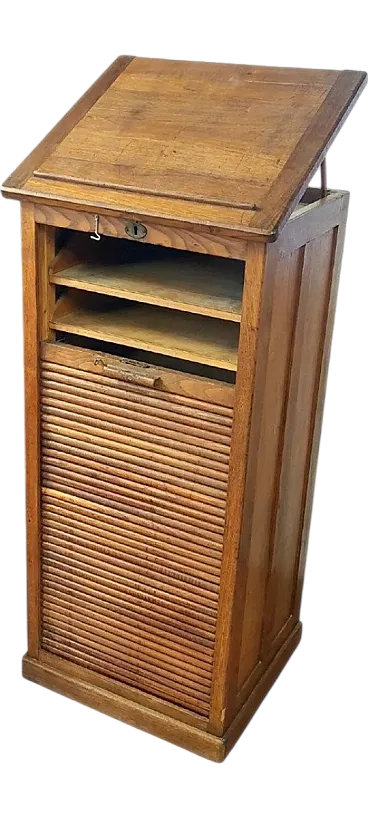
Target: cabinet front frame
260 259
38 246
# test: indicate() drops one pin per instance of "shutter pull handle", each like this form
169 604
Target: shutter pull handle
137 378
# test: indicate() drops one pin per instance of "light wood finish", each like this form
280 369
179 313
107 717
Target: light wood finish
168 332
76 113
310 326
178 383
266 447
320 397
179 281
179 726
45 256
276 487
151 145
31 388
248 342
173 235
168 512
132 572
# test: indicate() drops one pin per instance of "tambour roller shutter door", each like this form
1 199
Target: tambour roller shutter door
134 485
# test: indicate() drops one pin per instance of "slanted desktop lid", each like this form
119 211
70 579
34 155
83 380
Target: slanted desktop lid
226 146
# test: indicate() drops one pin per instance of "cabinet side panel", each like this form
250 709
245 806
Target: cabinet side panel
266 451
286 422
341 228
304 381
31 387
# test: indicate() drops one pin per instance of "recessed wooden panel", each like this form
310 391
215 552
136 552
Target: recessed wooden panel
300 301
267 450
132 531
302 397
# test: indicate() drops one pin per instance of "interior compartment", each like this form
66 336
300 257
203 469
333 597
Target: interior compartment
132 355
176 279
171 308
154 329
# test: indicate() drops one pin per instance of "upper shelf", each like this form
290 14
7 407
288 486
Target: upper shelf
222 146
168 278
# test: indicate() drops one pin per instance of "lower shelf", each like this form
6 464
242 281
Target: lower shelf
168 332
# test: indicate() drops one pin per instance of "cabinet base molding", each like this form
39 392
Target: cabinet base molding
198 741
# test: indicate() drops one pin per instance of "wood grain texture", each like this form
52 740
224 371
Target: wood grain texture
153 715
31 387
158 231
168 513
320 397
168 332
304 379
146 142
130 589
179 281
45 257
178 383
265 448
284 438
120 689
17 179
261 687
310 150
248 342
159 724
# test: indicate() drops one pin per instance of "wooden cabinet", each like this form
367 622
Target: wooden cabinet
180 281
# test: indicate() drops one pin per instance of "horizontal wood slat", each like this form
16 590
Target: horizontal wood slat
189 428
131 494
134 484
86 611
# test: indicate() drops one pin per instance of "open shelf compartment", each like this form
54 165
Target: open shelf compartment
155 329
178 280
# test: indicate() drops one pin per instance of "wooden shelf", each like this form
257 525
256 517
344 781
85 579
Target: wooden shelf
168 332
177 280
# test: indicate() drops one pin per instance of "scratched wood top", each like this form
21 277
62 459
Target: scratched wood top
230 146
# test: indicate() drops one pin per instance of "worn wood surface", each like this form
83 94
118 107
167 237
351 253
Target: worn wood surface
31 385
168 332
130 586
285 429
178 383
248 344
17 179
309 151
177 280
146 141
125 691
320 398
46 297
168 513
269 409
166 721
149 719
159 232
300 413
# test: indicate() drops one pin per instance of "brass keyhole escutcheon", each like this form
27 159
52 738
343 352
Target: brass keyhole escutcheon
135 230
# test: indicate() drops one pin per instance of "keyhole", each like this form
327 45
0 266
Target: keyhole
135 230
